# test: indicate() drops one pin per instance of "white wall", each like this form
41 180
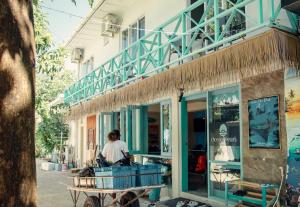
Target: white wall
253 12
72 141
155 14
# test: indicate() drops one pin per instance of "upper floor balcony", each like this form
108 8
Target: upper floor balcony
202 28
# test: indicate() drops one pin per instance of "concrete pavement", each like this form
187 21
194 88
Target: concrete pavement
52 189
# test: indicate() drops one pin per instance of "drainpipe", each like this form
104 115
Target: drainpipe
78 70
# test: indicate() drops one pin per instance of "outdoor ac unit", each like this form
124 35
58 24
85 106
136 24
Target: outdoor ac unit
77 55
110 25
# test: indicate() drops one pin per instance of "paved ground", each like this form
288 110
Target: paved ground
52 189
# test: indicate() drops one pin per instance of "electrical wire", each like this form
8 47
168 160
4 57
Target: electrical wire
99 22
62 12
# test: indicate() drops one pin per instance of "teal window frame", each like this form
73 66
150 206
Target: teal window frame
133 126
143 128
123 124
101 128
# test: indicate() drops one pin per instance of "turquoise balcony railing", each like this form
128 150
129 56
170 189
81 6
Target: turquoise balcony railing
181 39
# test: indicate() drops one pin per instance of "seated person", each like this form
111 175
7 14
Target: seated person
113 150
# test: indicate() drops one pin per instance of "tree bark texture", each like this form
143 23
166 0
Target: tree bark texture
17 58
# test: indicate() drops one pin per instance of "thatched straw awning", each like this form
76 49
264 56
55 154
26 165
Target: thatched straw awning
267 52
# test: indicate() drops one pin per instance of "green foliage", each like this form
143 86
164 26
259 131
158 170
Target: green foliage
50 59
91 2
49 132
48 88
51 81
49 120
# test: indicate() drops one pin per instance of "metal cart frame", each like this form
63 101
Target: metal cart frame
90 187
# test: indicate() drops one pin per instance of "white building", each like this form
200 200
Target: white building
176 76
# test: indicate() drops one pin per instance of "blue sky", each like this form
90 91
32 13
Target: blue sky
61 23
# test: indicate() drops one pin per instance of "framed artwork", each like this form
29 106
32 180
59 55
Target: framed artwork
264 123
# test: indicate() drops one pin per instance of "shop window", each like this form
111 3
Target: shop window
149 129
141 24
125 39
131 35
158 129
166 129
196 15
224 125
224 139
87 67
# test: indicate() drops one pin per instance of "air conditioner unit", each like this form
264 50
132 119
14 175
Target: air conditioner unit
77 55
110 25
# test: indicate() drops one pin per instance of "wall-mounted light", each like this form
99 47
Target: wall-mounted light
181 93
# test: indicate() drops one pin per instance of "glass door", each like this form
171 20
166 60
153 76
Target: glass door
224 139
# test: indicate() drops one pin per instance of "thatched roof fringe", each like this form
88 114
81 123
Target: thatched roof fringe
270 51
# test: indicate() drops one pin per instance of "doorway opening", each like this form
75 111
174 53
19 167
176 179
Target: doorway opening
154 135
197 172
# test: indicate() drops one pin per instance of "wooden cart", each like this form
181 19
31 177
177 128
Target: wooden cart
87 186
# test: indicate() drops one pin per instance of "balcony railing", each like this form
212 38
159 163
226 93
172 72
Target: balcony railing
180 39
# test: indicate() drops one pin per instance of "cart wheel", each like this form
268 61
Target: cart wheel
127 198
92 201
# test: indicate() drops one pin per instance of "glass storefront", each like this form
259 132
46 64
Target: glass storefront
224 126
221 143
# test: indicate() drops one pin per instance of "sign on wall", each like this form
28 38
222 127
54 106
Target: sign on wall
264 123
292 102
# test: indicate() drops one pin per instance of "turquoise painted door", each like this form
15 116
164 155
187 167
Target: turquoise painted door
184 144
106 126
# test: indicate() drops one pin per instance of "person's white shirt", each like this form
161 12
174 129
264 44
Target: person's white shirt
112 151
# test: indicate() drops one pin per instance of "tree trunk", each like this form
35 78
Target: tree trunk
17 53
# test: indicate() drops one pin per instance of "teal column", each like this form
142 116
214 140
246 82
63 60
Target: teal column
184 144
261 11
216 20
122 124
124 60
226 192
101 128
184 43
264 195
144 129
129 128
139 58
272 10
160 50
